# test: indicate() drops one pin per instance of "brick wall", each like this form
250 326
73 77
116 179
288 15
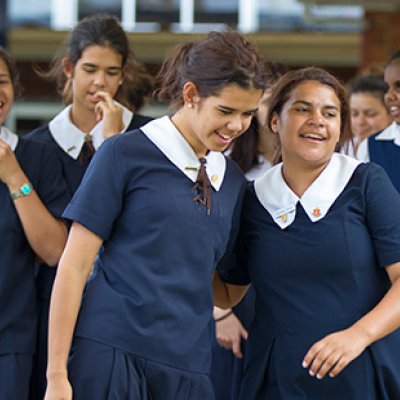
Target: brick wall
380 38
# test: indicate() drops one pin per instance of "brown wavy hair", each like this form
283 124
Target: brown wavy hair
221 59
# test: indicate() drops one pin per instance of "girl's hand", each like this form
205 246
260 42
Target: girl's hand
334 352
10 171
58 389
229 333
110 113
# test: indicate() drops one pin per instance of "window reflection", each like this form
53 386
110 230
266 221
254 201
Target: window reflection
216 12
164 12
87 7
29 13
274 15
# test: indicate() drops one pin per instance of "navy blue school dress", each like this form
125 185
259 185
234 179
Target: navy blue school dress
145 326
18 313
67 141
226 369
384 149
317 266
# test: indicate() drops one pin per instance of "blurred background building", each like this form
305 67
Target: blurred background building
342 35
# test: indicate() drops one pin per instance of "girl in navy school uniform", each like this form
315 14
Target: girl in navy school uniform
164 202
369 113
384 147
33 195
323 253
95 73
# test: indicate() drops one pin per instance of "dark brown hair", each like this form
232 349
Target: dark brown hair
288 82
395 56
370 84
96 30
245 149
12 70
222 58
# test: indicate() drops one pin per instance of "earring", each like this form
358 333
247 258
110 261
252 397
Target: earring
120 82
190 105
68 76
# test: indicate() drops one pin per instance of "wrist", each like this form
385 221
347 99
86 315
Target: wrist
224 316
366 335
55 374
24 190
14 182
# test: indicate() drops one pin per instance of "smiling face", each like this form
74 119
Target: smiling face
308 125
212 123
6 91
392 96
98 69
368 114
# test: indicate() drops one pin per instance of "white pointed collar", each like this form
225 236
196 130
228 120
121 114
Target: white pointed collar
9 137
71 139
280 201
392 132
163 133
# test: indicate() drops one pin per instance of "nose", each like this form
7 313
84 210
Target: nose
236 124
316 119
99 79
359 119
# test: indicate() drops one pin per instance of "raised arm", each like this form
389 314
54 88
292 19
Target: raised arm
45 233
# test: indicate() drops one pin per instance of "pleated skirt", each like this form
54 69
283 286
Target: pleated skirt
100 372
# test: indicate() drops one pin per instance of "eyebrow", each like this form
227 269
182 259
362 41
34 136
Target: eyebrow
226 108
90 65
309 104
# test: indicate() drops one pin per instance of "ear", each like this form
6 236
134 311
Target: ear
275 123
190 93
68 67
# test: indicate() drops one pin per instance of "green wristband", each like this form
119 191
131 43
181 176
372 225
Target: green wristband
24 190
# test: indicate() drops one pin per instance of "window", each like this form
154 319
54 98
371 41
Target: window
29 12
87 7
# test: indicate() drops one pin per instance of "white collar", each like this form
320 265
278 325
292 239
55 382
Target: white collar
362 151
280 201
392 132
163 133
9 137
71 139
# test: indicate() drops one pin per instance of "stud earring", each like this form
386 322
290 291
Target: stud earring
190 105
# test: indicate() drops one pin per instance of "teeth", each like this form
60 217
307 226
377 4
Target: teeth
312 136
393 108
224 136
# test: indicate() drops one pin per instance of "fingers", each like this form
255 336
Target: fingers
333 353
244 334
105 97
323 362
229 334
104 105
236 349
339 367
231 343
